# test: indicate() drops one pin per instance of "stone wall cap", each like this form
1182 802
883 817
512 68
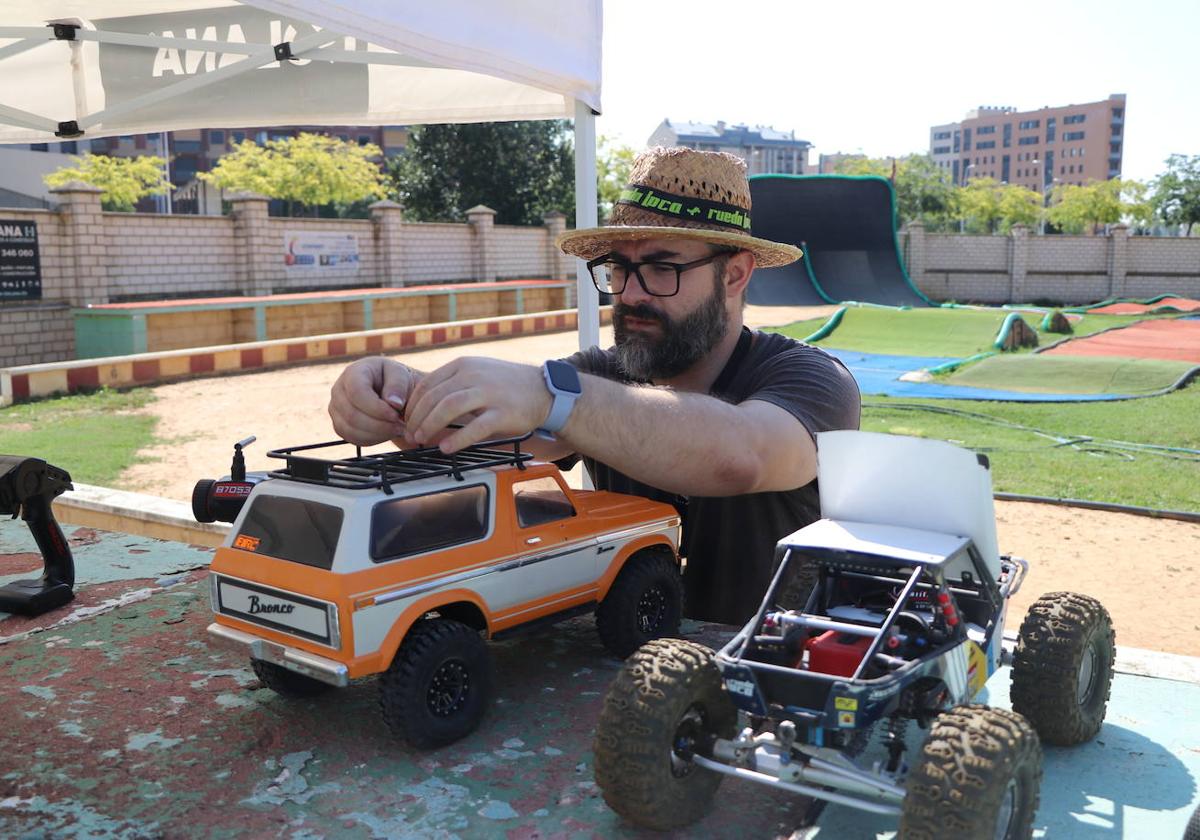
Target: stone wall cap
76 186
555 214
246 196
479 209
385 204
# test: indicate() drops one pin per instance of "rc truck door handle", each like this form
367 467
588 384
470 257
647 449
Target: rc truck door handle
533 541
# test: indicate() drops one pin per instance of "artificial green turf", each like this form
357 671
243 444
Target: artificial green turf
94 437
947 333
1024 461
1043 373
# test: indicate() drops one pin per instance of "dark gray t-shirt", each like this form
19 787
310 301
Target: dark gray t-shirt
729 541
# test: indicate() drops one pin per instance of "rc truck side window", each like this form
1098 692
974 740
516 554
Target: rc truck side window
541 500
291 529
417 524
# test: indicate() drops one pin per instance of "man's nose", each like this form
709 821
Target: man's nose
634 292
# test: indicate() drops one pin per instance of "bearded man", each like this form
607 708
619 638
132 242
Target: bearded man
689 407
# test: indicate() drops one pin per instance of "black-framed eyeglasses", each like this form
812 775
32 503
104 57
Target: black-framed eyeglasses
611 273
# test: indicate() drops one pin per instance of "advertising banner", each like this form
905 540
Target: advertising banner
314 252
20 263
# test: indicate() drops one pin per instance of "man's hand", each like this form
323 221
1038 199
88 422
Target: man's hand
491 398
367 402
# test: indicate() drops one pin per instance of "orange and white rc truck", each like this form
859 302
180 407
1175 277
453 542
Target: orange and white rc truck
401 564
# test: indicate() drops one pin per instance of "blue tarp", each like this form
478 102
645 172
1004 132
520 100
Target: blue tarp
880 374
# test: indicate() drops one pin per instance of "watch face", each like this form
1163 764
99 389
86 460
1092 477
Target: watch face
564 377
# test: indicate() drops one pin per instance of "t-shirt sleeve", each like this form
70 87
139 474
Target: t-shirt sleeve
809 384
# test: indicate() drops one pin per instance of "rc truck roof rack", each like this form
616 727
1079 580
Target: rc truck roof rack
364 472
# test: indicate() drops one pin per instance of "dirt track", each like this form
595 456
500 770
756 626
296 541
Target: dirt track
1144 570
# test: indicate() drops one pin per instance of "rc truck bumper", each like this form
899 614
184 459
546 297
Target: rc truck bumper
300 661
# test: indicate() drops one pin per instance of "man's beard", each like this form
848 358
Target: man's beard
643 356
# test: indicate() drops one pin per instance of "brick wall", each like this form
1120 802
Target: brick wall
521 253
1068 269
155 256
88 256
434 253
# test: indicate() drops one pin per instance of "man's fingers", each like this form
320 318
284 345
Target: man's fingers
441 407
480 429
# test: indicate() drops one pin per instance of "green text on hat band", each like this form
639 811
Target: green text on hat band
685 208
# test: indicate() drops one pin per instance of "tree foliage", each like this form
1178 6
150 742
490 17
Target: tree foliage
124 180
1080 209
613 163
1176 192
924 191
522 170
310 170
988 206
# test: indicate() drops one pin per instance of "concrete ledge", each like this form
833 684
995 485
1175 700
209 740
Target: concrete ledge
27 382
135 513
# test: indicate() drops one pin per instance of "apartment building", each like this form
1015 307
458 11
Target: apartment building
765 150
1064 144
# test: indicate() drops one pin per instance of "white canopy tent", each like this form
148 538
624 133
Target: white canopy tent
94 68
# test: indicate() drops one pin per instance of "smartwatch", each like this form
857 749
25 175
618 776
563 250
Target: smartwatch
562 381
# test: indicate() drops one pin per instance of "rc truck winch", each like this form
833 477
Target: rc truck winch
399 564
888 610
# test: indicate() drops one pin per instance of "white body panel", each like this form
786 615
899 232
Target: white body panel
927 485
908 544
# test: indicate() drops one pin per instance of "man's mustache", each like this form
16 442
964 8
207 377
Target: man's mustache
641 311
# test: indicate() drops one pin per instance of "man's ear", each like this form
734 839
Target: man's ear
738 269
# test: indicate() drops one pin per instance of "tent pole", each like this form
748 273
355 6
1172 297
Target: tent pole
585 217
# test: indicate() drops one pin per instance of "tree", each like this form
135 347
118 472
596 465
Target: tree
1176 197
311 170
988 206
923 189
1076 209
522 170
613 164
124 180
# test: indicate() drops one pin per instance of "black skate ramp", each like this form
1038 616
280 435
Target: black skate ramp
846 226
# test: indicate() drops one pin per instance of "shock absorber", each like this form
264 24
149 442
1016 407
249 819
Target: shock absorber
893 739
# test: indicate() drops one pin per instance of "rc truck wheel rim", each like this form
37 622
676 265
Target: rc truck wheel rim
651 608
1008 807
449 687
1086 684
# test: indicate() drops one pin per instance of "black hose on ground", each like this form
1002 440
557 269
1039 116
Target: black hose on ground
1108 507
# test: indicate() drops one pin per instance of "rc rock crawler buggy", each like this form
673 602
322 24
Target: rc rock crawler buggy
400 564
888 610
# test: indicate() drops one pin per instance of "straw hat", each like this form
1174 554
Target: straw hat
682 193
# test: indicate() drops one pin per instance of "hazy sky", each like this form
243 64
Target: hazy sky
872 77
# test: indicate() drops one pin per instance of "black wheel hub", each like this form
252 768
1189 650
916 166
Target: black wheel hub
449 688
688 735
651 609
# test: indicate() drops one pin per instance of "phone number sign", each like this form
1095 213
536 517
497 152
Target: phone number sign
20 263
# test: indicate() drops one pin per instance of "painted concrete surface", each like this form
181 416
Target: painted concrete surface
877 373
125 723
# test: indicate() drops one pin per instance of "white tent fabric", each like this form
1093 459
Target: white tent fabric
137 66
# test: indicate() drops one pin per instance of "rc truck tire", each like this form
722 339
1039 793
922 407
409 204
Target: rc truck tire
645 602
666 698
1192 832
287 683
438 686
1063 667
200 500
797 584
978 778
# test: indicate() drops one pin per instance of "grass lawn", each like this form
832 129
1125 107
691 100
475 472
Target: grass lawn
1024 461
94 437
956 333
1071 374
